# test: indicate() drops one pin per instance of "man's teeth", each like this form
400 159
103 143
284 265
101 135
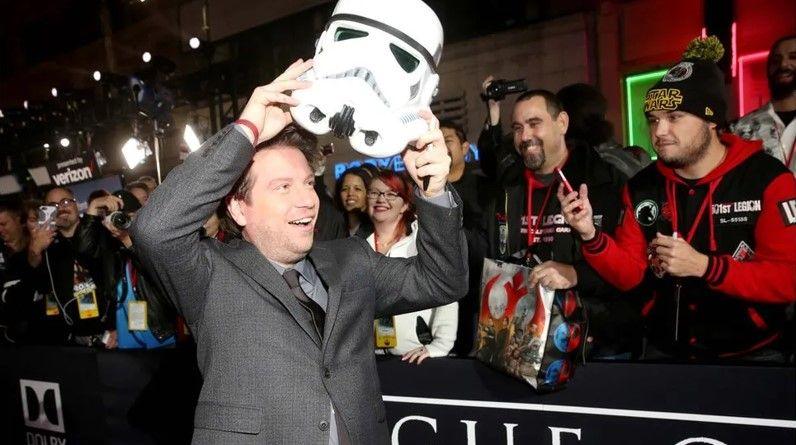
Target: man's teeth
301 222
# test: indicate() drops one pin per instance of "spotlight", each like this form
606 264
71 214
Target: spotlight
190 138
1 114
146 57
46 145
54 92
64 142
134 152
194 42
97 76
25 104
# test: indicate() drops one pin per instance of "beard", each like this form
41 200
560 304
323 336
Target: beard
781 89
692 152
532 161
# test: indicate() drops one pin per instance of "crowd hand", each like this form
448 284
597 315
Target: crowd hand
40 239
678 258
418 354
113 340
429 158
493 105
110 203
122 235
577 211
554 275
267 107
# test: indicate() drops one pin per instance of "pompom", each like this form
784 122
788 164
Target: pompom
709 48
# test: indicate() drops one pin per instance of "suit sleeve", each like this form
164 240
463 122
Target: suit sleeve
166 232
769 277
621 260
436 276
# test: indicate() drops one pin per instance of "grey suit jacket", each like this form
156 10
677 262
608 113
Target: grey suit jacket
266 377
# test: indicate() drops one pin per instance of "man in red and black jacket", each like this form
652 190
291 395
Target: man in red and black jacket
709 229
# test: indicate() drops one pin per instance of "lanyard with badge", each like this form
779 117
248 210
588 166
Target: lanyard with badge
136 309
85 293
385 334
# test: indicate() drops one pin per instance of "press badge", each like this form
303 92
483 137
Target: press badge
385 333
51 306
136 316
86 296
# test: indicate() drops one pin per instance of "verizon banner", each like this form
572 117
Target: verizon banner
70 171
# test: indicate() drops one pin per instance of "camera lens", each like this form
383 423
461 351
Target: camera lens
120 220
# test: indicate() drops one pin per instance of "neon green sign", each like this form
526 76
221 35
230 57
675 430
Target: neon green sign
636 129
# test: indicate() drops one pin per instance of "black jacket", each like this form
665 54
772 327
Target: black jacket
611 317
748 231
93 248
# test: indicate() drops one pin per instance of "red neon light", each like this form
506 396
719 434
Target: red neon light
734 50
741 83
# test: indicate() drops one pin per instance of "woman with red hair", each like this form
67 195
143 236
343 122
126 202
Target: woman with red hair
422 334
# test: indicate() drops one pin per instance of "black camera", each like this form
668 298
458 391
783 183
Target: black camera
120 219
500 88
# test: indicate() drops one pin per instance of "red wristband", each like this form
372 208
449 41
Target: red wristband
251 127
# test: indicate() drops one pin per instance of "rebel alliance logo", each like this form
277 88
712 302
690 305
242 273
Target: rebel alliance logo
646 212
41 405
681 71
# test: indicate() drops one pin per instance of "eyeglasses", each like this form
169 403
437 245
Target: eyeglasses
388 196
62 203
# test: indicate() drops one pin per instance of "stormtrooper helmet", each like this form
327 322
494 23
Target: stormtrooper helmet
375 67
498 298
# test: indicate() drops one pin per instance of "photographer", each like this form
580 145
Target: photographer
72 260
145 319
497 158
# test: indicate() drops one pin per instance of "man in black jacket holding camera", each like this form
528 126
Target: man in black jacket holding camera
70 260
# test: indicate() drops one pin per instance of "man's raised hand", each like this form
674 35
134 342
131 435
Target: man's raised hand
268 105
429 159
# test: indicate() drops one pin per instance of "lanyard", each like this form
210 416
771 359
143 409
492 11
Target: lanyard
529 212
789 159
671 195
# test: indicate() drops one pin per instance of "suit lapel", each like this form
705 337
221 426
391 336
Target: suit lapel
250 261
323 261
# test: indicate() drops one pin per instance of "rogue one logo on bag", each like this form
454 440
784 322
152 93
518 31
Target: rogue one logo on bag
41 405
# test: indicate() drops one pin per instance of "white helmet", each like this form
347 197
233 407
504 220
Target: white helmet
375 67
498 298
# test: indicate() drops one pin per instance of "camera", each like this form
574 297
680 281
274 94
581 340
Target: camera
500 88
120 219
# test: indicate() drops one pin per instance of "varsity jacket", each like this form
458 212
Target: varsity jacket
743 216
507 233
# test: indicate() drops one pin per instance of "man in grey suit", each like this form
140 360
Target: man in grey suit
284 328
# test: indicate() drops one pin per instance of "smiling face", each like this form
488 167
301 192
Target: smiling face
353 194
782 69
67 215
385 206
278 216
538 136
680 139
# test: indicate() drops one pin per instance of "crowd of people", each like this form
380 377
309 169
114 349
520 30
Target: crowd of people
692 257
